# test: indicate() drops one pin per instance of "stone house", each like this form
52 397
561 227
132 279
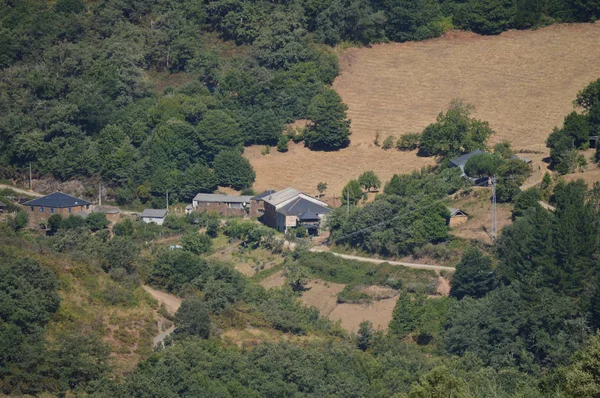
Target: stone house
41 209
224 205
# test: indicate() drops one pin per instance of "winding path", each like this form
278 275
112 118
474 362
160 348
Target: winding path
379 261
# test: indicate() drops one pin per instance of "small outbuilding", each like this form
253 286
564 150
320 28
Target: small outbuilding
457 217
2 207
156 216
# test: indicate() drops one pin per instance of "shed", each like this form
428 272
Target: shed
156 216
457 217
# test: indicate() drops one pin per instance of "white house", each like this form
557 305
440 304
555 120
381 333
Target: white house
156 216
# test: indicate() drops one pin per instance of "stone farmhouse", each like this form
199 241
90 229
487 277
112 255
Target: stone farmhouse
291 208
41 209
224 205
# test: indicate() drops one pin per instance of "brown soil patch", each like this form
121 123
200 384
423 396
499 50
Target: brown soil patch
443 286
322 295
379 292
522 82
275 280
172 303
351 315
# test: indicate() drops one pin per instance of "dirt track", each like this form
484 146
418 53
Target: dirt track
20 190
378 261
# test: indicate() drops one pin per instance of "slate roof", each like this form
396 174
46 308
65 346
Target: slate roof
308 215
2 204
59 200
461 161
454 211
300 206
279 197
154 213
264 194
214 198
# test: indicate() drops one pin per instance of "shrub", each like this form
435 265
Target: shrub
389 142
196 243
96 221
193 319
408 142
282 143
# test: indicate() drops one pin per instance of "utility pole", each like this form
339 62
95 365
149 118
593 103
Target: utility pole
100 194
30 188
348 201
494 221
167 200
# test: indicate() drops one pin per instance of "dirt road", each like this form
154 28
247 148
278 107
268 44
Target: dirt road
19 190
172 303
379 261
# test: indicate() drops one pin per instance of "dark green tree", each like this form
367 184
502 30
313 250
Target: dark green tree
331 128
193 318
369 180
96 221
233 170
352 193
483 165
196 243
474 276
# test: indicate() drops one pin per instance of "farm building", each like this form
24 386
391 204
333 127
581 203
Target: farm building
225 205
259 203
461 161
156 216
41 209
112 213
457 217
291 208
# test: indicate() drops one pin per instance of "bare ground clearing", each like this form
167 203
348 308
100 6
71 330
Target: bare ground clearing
351 315
522 82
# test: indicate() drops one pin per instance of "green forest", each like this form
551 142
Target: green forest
155 96
150 96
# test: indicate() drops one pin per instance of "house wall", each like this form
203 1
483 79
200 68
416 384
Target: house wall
220 208
270 216
36 216
457 220
154 220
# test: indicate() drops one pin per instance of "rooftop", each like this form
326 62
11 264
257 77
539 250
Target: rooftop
264 194
59 200
300 206
154 213
461 161
215 198
2 204
454 212
282 196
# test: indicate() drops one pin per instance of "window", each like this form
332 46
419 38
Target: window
70 210
87 207
31 207
52 210
41 209
235 205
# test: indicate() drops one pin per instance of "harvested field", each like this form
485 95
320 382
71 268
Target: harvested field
522 82
322 295
351 315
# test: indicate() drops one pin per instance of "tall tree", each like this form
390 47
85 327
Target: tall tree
233 170
474 276
331 128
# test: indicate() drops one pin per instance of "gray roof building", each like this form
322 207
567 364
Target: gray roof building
57 200
154 213
264 194
2 205
302 206
461 161
215 198
278 198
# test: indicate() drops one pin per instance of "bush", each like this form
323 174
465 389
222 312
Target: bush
124 228
193 319
282 143
408 142
96 221
389 142
196 243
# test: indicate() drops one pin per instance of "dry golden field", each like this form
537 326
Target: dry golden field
522 82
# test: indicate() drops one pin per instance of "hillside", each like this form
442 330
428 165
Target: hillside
522 82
